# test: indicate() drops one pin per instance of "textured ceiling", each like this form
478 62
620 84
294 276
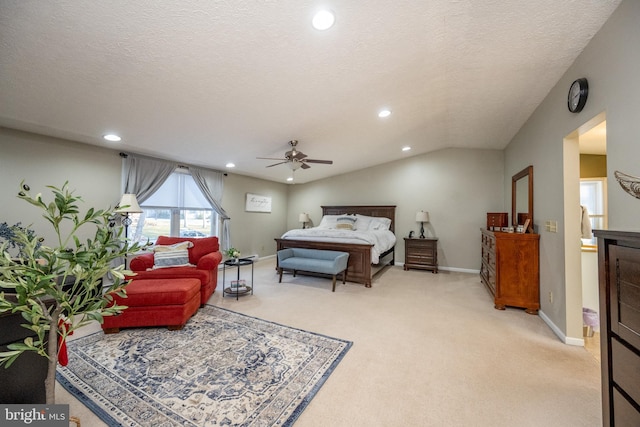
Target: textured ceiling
210 82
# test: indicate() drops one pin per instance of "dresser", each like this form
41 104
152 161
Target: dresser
510 269
619 287
421 253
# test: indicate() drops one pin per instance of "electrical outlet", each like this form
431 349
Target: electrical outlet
550 297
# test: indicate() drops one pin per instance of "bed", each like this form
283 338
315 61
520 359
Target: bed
360 267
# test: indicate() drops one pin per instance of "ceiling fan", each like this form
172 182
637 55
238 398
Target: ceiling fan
296 159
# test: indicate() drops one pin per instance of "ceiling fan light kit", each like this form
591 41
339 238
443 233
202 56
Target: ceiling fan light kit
295 159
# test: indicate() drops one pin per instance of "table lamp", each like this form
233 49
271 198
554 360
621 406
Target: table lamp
303 218
422 217
128 205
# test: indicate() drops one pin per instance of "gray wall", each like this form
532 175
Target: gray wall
456 186
611 63
95 175
253 232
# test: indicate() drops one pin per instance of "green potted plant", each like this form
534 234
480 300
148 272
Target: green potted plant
57 287
232 253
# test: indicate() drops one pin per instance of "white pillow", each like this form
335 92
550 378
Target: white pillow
329 221
380 223
364 222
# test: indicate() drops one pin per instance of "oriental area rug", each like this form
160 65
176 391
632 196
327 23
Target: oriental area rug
222 369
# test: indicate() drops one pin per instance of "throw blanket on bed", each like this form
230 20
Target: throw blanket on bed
382 240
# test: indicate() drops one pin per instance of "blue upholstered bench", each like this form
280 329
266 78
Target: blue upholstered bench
313 261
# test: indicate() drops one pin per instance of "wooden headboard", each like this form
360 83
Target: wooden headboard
386 211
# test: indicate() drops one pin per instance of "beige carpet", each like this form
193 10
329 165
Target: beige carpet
429 350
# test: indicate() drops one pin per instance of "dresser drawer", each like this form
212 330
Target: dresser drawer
624 414
625 293
422 251
488 277
626 369
489 257
489 241
420 259
420 243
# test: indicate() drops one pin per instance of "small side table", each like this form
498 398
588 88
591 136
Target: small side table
228 289
421 253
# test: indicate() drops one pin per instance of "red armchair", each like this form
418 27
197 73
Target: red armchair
204 255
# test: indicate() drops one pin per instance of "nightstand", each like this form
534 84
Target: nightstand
421 253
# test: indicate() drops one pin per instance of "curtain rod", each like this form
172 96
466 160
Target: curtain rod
125 155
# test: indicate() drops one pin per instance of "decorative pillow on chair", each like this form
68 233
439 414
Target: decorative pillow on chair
176 255
346 223
176 246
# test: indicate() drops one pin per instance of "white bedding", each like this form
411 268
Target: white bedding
382 240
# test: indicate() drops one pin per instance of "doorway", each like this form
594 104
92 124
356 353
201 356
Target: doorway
585 184
593 200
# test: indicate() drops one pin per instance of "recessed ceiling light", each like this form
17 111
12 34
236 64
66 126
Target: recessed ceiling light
112 137
406 148
290 179
323 20
230 165
384 113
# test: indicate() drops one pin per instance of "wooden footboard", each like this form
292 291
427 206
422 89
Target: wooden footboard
359 268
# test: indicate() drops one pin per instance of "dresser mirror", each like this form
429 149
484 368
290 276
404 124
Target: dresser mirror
522 197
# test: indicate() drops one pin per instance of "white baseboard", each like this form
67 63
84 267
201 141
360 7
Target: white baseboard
565 339
458 270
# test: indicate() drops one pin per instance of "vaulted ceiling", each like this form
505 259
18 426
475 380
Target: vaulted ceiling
210 82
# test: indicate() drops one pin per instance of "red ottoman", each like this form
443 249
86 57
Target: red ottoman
156 302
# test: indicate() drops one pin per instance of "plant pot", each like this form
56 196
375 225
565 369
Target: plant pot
23 381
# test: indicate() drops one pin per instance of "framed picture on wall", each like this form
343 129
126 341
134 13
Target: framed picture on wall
257 203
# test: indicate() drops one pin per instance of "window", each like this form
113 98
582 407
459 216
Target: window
178 208
593 196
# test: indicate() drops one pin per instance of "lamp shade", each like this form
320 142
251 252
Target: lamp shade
303 217
422 216
128 204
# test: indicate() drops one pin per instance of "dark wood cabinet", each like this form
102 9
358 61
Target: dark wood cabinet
619 286
421 253
510 269
497 220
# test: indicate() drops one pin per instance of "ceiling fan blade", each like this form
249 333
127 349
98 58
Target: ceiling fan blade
305 166
271 158
276 164
326 162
